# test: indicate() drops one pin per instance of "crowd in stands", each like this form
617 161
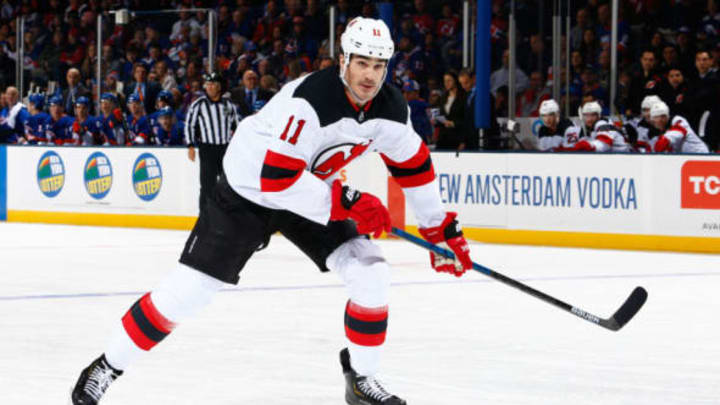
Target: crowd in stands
153 67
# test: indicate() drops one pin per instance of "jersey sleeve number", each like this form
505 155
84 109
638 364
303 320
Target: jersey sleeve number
293 140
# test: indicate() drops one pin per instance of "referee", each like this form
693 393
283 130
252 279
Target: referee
211 121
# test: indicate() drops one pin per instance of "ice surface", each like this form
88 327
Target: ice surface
275 338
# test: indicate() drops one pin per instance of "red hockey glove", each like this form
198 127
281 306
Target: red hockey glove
365 209
663 145
449 236
584 146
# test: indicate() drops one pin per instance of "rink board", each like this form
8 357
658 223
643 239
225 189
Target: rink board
660 202
134 187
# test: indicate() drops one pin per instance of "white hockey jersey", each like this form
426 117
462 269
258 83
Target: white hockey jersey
606 137
680 138
565 136
286 155
645 134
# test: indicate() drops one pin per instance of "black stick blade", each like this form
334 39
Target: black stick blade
628 310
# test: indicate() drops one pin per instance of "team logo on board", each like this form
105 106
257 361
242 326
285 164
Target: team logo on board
50 174
147 177
98 175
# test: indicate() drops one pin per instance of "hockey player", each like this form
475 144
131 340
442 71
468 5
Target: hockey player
164 99
641 133
598 133
58 128
168 131
282 167
112 121
35 126
85 128
139 132
677 135
555 132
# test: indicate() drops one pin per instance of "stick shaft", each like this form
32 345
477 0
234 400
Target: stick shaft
501 278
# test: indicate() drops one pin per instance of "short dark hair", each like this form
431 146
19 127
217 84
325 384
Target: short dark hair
703 50
465 72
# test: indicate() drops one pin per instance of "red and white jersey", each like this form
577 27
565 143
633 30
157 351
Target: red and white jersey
606 137
680 138
286 155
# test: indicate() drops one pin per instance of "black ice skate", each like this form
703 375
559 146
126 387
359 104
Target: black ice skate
361 390
93 382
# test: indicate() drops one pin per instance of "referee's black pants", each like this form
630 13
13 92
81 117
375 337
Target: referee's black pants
211 158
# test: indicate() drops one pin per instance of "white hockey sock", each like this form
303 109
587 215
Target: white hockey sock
367 276
180 295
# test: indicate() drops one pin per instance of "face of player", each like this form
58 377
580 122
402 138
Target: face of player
106 107
660 122
590 119
135 108
165 122
56 111
646 114
364 76
81 111
549 120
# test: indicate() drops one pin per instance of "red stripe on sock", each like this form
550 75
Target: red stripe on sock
154 316
363 339
136 335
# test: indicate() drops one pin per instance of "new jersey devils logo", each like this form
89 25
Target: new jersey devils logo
334 158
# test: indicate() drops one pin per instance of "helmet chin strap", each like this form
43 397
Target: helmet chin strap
343 70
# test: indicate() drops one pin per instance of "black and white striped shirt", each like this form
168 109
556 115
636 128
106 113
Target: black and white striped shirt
210 123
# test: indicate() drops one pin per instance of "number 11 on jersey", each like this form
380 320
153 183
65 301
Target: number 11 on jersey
294 138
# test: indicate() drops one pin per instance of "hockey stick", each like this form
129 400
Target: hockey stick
622 316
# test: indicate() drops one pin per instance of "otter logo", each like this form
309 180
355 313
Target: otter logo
50 174
334 158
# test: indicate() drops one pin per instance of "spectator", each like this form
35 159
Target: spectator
669 58
419 110
500 77
145 90
672 90
529 102
269 83
164 76
452 115
582 22
13 117
644 78
111 85
424 21
590 47
702 90
534 56
247 95
74 90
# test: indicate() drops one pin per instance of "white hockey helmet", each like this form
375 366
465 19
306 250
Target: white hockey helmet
366 37
549 107
659 109
649 101
591 107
